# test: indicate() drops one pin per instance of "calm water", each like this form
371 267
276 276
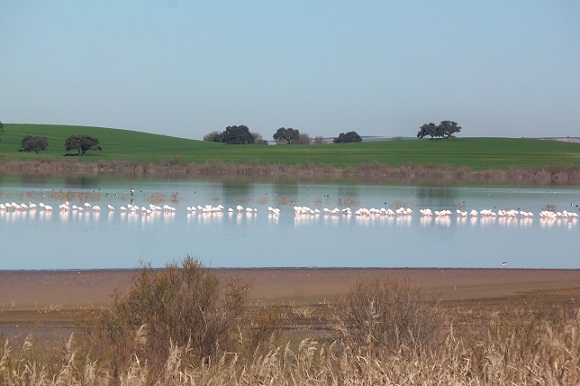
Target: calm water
113 239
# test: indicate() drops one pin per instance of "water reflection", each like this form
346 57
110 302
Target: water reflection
82 182
209 214
233 224
239 191
437 196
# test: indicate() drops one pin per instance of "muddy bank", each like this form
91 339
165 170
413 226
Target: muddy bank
41 290
364 173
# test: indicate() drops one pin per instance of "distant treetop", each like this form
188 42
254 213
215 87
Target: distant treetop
351 136
35 144
236 135
446 129
82 144
287 135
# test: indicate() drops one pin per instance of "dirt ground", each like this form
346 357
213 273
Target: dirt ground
45 301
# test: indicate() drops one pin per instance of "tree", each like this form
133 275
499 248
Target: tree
236 135
449 128
427 129
286 135
1 128
446 129
351 136
82 144
35 144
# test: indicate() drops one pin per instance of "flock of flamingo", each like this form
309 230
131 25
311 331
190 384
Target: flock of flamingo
299 211
427 214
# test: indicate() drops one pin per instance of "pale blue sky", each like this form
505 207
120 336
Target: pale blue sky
185 68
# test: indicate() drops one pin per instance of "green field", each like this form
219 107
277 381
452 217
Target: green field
124 145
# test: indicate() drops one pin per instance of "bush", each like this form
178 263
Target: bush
258 139
318 140
304 139
185 306
382 315
211 137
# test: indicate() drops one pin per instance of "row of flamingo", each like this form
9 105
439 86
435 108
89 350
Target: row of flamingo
298 210
220 209
86 207
426 212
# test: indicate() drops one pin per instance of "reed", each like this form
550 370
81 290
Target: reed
373 172
518 348
180 326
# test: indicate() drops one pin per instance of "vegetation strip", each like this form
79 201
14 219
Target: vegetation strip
183 326
458 160
477 154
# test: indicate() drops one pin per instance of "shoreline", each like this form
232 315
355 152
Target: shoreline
70 289
374 172
304 268
44 303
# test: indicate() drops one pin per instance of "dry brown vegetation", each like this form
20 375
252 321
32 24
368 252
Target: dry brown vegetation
183 326
371 172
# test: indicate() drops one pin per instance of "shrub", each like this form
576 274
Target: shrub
304 139
258 139
382 315
318 140
185 306
211 137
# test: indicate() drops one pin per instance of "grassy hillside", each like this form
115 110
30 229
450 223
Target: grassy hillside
477 153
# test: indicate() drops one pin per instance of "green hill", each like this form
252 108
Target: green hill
476 153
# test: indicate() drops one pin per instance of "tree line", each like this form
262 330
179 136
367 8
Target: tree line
289 136
80 143
283 136
239 134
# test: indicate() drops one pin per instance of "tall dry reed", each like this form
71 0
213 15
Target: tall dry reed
158 334
539 352
369 172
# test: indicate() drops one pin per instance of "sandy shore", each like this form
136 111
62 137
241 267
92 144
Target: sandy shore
45 302
37 290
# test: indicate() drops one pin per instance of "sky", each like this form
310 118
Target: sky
187 68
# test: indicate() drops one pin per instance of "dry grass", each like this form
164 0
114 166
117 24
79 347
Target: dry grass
385 332
517 350
381 316
368 172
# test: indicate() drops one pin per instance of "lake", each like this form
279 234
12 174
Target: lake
38 239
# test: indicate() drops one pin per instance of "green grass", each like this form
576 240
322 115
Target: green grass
124 145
